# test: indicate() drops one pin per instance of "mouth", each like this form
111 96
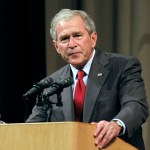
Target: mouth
73 53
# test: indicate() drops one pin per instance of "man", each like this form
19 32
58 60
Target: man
115 98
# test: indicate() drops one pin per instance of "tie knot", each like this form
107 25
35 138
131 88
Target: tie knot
81 74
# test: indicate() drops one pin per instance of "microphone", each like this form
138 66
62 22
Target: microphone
57 87
39 87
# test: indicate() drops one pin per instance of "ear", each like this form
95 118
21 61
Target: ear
94 39
56 46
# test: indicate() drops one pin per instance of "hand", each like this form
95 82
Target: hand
1 122
105 132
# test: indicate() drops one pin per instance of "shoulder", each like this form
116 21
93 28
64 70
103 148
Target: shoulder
115 61
124 60
61 73
117 58
120 57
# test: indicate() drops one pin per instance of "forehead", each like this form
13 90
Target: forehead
74 24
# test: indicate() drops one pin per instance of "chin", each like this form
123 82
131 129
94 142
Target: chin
78 66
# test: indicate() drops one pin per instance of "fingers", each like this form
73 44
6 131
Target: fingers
105 132
1 122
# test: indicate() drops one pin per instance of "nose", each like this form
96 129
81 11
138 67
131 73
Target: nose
72 42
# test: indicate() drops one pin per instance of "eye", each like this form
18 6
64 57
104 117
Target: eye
78 35
64 38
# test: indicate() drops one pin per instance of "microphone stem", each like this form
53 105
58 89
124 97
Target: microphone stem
59 100
39 101
49 112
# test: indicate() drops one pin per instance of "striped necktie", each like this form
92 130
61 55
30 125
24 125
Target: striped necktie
79 96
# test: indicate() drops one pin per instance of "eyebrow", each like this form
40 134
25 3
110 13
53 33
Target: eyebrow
66 35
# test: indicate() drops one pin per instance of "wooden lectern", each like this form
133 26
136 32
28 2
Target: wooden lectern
53 136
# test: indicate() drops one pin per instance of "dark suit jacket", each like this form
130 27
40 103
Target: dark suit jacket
115 89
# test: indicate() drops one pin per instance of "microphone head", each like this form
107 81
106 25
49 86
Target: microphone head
39 87
65 82
57 87
46 82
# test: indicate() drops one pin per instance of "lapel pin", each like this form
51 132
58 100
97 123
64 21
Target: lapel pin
99 74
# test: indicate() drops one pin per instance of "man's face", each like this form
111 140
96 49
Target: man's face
74 43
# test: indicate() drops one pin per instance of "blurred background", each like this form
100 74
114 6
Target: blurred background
27 54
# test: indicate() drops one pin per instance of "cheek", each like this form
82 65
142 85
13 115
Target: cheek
63 53
62 49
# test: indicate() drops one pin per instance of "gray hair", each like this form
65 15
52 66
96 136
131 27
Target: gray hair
66 14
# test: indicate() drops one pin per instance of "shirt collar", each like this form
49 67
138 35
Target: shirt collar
86 68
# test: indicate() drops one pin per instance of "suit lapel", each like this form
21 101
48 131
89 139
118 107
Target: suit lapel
68 106
67 98
97 77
